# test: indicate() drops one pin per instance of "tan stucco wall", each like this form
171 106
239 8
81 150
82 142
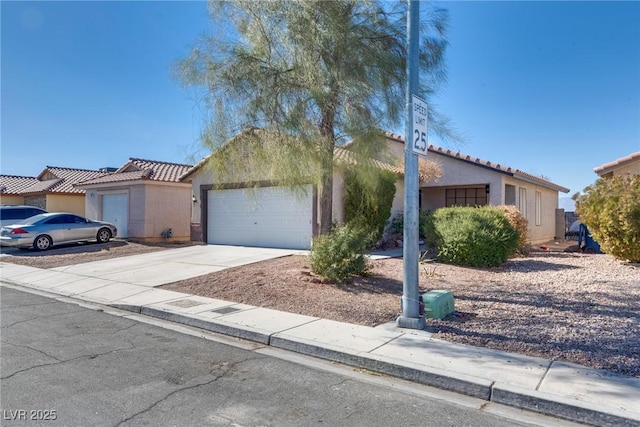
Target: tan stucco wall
6 199
74 203
631 168
135 223
338 210
549 203
153 207
167 206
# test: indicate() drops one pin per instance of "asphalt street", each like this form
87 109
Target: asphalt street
64 364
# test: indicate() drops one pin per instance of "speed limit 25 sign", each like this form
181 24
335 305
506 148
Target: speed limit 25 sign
419 143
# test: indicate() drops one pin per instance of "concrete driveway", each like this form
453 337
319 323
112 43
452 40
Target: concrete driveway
171 265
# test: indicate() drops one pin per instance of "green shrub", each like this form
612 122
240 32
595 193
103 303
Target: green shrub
610 208
520 223
476 237
426 226
368 204
340 254
397 223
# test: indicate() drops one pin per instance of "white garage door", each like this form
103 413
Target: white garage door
115 209
271 217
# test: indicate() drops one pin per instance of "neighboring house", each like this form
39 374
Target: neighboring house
628 165
259 212
53 190
143 198
11 188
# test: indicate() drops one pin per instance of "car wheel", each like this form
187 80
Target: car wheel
103 235
42 243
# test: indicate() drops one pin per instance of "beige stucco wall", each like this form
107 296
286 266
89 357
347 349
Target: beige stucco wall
632 168
152 208
136 220
74 203
7 199
167 205
549 203
338 210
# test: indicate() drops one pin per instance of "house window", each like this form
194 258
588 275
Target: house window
509 194
538 208
465 197
522 201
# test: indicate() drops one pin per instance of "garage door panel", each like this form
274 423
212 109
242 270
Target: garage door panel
115 209
267 216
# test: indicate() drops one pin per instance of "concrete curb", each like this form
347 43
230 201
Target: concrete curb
471 386
238 331
562 407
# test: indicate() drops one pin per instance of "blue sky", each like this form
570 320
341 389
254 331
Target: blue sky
551 88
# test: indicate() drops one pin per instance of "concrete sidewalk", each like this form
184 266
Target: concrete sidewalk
560 389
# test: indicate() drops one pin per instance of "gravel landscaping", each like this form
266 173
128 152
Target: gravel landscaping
562 306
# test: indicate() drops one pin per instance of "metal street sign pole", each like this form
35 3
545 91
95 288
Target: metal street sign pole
410 317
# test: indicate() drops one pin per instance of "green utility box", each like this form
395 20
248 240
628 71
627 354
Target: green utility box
438 304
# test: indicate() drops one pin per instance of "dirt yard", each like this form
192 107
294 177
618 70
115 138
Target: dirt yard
60 256
557 305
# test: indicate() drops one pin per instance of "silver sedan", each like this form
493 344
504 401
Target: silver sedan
49 229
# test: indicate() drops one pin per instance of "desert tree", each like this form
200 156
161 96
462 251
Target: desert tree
311 75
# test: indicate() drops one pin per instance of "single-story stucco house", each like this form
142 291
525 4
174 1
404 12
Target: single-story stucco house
12 186
144 199
627 165
470 181
52 190
259 212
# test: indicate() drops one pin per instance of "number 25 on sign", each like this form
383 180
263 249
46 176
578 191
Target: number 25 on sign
420 144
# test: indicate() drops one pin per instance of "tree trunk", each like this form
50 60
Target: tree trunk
326 174
326 188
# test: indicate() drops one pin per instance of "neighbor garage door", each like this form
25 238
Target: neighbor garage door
115 209
267 216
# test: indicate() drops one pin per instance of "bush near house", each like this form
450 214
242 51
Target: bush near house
368 204
340 254
426 226
476 237
520 223
610 208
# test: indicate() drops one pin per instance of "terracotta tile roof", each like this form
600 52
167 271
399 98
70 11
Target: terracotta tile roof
607 167
343 155
11 184
161 171
516 173
141 169
339 154
42 186
55 179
